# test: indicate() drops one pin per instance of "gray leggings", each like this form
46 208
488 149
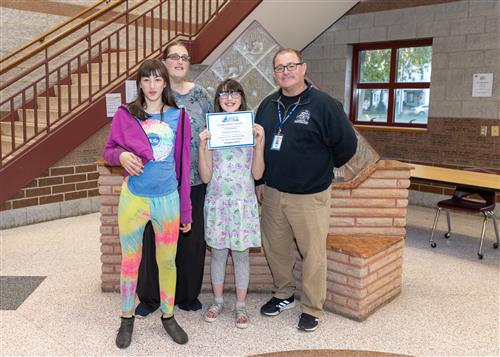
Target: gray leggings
241 263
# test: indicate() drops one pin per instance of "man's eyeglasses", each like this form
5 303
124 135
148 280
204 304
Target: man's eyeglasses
228 94
176 57
290 67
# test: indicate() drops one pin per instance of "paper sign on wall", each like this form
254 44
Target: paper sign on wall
482 84
113 101
130 91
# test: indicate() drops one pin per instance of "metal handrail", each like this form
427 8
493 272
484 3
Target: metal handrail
58 38
42 37
70 68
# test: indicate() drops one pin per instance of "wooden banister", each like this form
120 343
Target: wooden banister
61 36
42 37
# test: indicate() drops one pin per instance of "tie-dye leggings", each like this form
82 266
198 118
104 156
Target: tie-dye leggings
133 214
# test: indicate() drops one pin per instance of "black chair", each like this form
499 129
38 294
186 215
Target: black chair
461 201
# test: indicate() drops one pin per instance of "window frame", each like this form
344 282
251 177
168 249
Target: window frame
391 86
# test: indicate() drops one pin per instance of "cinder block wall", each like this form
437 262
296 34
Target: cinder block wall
466 40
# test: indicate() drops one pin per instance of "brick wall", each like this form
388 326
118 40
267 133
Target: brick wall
359 285
362 275
449 142
260 275
377 205
374 203
57 184
67 188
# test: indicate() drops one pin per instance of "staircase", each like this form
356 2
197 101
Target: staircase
60 101
64 101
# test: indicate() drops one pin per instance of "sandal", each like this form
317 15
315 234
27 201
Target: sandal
241 318
213 312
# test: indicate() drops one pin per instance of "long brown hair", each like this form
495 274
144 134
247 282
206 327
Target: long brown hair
148 68
229 85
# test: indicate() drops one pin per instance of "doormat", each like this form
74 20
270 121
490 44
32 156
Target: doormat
15 289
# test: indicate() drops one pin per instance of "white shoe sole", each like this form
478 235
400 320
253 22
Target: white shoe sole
289 306
307 329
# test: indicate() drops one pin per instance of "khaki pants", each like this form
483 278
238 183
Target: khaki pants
305 217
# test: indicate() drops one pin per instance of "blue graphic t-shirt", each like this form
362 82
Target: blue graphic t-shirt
159 176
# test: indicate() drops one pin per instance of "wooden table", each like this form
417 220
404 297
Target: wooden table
458 177
483 181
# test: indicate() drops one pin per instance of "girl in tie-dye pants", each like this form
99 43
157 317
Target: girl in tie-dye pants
150 139
133 214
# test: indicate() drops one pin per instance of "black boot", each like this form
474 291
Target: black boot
174 330
124 336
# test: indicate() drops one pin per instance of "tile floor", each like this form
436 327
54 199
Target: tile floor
449 305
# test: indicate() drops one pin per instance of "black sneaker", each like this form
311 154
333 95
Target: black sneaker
174 330
308 322
143 310
124 336
274 306
192 306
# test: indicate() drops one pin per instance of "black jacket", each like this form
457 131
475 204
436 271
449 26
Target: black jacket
316 138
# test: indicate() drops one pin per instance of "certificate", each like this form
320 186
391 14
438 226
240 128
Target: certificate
230 129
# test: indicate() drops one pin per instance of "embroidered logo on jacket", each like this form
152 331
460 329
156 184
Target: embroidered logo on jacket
303 117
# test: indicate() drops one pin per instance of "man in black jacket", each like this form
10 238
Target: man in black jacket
307 135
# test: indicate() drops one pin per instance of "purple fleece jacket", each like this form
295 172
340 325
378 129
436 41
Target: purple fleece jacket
127 135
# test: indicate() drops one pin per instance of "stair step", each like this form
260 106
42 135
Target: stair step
54 103
6 142
7 139
106 66
84 79
74 90
113 57
42 116
6 146
18 128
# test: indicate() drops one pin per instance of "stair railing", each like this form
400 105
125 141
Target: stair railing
45 36
76 67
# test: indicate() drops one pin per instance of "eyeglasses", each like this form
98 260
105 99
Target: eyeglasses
176 57
290 67
231 94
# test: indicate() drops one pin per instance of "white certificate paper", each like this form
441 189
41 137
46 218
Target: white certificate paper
230 129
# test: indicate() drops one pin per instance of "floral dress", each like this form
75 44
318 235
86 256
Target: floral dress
231 211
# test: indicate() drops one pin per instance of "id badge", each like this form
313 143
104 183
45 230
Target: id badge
276 144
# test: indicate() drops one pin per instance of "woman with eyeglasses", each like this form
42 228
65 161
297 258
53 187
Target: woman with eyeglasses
191 247
231 210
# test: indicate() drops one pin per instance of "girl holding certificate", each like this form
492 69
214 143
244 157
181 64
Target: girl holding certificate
231 210
150 139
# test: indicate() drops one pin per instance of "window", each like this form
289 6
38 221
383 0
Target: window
391 83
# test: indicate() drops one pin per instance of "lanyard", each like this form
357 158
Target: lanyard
281 120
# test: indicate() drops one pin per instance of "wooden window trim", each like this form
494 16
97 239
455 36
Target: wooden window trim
391 85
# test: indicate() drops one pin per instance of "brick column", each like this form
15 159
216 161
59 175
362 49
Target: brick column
110 181
374 203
